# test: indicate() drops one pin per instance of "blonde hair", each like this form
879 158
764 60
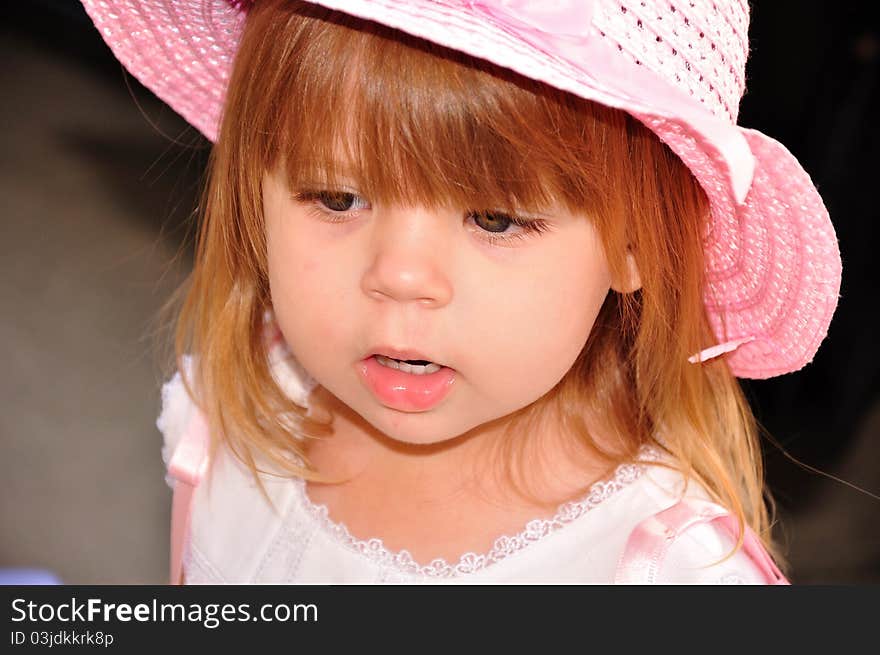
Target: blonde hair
425 124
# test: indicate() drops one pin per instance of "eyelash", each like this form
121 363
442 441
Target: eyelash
530 226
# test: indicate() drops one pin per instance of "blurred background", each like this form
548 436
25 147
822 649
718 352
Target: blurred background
98 183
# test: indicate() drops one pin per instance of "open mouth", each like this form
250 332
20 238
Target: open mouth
413 366
406 384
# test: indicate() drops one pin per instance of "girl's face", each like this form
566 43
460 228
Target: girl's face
504 307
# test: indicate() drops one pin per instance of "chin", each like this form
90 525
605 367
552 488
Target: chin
414 428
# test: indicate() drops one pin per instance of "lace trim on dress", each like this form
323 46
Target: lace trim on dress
536 530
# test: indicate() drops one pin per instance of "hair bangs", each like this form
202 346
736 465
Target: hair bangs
406 122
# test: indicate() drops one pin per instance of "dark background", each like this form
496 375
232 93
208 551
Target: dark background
98 181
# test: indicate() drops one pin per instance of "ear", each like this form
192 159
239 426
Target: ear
632 280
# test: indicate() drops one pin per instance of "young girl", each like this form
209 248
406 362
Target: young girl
474 282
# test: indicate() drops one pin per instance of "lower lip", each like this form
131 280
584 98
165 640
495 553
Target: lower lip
406 391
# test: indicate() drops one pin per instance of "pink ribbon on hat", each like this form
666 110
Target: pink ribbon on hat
572 18
720 349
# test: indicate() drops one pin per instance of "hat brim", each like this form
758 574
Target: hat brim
773 266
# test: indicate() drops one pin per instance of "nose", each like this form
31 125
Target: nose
409 257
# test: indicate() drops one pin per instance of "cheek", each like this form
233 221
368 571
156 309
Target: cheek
300 283
537 323
575 283
300 275
573 294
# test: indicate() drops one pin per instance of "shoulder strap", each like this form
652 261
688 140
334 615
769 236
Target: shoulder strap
187 466
650 540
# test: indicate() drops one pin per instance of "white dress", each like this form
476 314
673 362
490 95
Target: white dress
237 537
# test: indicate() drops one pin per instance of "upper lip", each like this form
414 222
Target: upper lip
401 353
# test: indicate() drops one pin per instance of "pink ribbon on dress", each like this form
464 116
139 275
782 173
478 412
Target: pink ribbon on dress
187 466
648 543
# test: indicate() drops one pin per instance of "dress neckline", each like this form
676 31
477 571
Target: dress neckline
535 531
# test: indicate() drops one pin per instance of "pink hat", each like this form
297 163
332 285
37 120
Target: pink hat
772 261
